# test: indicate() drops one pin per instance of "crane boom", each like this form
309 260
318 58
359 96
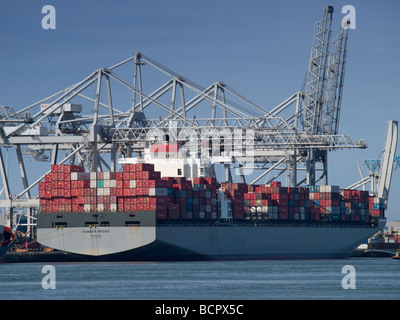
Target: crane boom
387 164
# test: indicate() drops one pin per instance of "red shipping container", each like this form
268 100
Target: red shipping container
161 214
283 202
275 184
283 213
79 200
238 214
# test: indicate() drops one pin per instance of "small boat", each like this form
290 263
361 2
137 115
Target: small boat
396 255
7 238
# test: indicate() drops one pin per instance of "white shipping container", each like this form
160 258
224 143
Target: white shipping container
106 191
107 175
100 207
93 183
100 191
113 183
93 175
86 207
106 183
152 192
113 207
132 183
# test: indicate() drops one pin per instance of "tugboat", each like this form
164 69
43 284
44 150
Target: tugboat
7 237
396 255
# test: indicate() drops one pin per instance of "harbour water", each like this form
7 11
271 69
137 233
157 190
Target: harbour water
373 278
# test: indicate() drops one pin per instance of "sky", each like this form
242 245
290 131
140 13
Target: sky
259 48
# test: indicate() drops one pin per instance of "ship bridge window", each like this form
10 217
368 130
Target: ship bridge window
132 223
91 224
105 224
59 225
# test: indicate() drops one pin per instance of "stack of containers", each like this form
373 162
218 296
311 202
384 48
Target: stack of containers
56 192
235 192
274 202
178 209
102 192
360 206
204 198
139 188
258 204
376 207
315 209
281 198
330 202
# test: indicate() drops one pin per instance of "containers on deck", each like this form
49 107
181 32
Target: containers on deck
139 188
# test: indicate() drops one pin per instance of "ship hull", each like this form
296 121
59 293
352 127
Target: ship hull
126 237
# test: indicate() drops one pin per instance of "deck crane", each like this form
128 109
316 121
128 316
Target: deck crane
114 113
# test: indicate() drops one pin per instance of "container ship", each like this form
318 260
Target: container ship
165 202
139 214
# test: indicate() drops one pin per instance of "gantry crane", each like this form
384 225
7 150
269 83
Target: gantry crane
122 110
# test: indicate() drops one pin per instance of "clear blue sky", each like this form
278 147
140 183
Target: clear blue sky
260 48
